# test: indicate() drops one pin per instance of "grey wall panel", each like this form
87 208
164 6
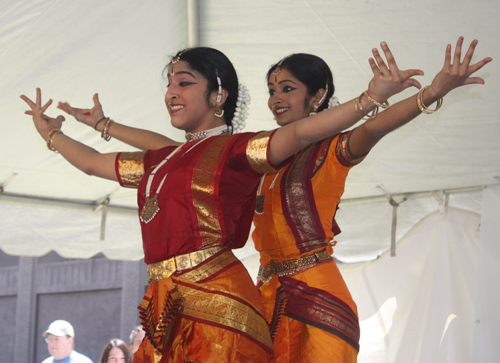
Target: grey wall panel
95 316
7 323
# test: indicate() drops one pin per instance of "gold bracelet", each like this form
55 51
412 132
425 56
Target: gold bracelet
384 104
53 133
358 108
104 133
424 108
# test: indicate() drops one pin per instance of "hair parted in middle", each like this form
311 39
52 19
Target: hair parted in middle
119 344
309 69
211 62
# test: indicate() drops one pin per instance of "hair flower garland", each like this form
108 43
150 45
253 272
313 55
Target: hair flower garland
241 112
333 102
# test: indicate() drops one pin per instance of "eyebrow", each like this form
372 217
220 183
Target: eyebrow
182 72
280 82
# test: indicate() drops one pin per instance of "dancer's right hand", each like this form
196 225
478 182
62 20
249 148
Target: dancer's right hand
87 116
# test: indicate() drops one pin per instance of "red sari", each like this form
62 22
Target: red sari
211 312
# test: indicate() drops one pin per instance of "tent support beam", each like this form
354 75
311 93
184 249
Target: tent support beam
92 206
192 23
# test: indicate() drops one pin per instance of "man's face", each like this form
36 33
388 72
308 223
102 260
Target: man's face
59 347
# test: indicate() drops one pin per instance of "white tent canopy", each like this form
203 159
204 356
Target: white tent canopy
73 49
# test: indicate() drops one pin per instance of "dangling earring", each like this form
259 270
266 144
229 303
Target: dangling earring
316 106
314 111
219 112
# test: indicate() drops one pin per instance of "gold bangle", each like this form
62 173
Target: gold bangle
384 104
104 133
424 108
53 133
358 108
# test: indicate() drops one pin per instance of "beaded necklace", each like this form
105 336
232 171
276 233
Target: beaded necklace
151 207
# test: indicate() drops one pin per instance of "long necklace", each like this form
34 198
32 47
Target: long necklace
259 205
151 207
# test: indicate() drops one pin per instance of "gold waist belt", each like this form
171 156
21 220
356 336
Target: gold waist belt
292 266
164 269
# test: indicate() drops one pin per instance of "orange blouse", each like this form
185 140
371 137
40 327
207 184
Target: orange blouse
296 206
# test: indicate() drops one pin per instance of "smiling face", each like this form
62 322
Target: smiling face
289 100
186 99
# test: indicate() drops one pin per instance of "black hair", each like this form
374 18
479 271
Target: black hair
310 70
210 62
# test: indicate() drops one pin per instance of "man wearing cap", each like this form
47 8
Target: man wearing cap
59 337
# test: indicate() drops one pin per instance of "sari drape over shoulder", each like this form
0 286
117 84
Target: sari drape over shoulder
307 304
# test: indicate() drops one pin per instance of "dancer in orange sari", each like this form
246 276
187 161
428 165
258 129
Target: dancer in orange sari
196 203
311 313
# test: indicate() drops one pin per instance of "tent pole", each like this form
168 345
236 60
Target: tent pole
192 23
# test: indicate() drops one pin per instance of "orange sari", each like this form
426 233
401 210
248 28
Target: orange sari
192 317
311 313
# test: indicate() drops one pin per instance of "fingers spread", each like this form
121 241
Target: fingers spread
458 51
447 57
44 108
374 66
380 62
388 55
28 101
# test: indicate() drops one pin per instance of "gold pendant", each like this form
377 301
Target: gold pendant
259 205
150 209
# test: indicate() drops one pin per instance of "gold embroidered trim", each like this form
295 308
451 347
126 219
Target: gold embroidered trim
344 154
223 310
290 267
257 152
131 168
164 269
203 192
300 210
216 264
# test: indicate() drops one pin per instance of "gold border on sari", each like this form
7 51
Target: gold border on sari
225 309
131 168
297 204
344 155
257 152
203 190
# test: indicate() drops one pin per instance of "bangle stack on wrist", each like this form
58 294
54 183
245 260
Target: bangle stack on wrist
104 133
358 108
384 104
97 123
420 102
51 137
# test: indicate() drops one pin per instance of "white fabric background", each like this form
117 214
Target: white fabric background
419 305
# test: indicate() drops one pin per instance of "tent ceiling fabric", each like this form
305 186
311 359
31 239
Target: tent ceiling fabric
74 49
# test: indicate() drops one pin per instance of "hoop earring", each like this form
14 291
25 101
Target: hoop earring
219 112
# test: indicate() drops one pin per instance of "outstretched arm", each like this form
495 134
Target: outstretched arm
139 138
387 81
455 73
81 156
